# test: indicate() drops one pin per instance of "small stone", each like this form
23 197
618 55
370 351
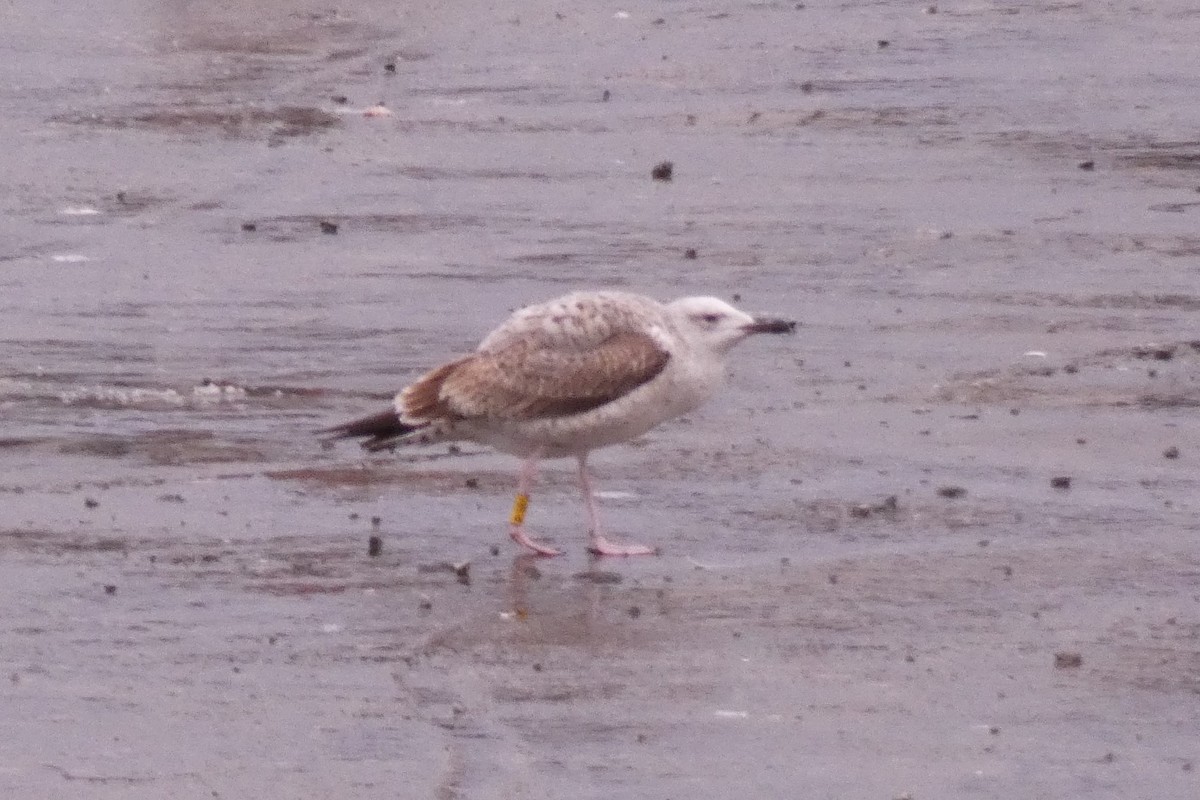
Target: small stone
376 522
537 666
634 612
1061 481
1171 452
91 502
494 549
374 545
1087 166
340 99
328 227
690 254
606 96
462 570
472 483
951 492
390 67
882 43
425 604
663 171
1067 660
249 227
110 588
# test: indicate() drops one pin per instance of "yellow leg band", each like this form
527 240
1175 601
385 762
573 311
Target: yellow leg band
520 505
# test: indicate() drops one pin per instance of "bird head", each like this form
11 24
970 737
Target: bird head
719 326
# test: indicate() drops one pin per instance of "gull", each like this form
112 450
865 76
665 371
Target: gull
565 377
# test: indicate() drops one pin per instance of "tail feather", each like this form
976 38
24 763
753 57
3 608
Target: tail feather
382 430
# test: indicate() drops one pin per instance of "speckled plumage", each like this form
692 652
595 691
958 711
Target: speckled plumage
562 378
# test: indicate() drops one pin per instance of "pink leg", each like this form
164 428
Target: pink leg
597 544
520 504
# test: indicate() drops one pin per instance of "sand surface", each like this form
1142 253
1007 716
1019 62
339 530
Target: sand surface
943 543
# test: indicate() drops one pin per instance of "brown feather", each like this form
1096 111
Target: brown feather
520 381
422 399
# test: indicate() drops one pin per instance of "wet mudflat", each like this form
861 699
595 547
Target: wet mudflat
941 543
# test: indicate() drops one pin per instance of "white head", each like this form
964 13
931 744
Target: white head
718 326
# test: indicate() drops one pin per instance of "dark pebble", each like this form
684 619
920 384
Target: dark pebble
1171 452
690 254
494 549
606 96
883 43
951 491
376 522
374 546
1067 660
635 612
663 171
110 588
598 576
249 227
390 67
91 502
1087 166
341 99
472 483
328 227
1061 481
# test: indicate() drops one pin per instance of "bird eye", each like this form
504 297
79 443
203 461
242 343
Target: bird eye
711 319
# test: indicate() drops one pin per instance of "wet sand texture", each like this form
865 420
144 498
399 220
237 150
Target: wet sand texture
942 543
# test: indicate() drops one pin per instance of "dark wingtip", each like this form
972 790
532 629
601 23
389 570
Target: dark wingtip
381 429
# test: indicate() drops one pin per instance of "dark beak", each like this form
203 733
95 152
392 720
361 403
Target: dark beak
767 325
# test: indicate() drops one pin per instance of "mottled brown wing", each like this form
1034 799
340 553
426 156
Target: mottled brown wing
522 381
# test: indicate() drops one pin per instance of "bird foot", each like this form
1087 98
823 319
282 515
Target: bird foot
518 535
599 546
